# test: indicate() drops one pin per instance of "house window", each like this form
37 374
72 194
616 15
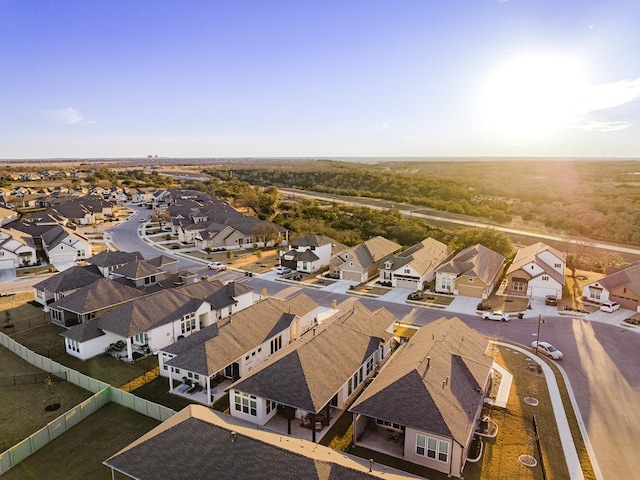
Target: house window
271 406
246 404
558 265
443 451
594 293
431 447
276 344
421 442
446 283
369 366
406 270
73 345
545 278
518 285
470 279
56 315
141 338
188 323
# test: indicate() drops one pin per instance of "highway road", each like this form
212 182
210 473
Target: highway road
410 211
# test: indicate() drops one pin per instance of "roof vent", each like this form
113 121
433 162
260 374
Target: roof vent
233 437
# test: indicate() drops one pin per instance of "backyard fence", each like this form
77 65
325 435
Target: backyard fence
103 393
34 378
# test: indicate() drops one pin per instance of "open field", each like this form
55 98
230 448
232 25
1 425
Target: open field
78 453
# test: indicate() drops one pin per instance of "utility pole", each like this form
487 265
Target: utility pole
540 320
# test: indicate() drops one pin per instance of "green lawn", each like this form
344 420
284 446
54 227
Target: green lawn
78 453
22 411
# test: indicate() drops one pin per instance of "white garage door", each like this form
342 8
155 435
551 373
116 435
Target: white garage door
404 283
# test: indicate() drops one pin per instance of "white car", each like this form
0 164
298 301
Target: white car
497 315
548 349
609 307
217 266
283 270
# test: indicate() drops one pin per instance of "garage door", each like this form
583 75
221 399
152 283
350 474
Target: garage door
6 264
469 291
351 276
628 303
542 292
404 283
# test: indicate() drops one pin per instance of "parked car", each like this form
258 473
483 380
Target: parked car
217 266
551 300
283 270
609 307
143 219
496 315
548 349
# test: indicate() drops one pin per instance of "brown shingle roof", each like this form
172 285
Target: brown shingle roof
435 383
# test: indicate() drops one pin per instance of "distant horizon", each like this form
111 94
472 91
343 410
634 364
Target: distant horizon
351 159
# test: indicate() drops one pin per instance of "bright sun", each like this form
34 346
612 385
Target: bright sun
533 96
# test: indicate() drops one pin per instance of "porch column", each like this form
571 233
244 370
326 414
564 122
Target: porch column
170 381
313 427
209 400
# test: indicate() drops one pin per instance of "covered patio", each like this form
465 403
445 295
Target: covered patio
303 427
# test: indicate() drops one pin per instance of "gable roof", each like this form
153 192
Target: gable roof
628 277
215 292
100 294
213 348
70 279
308 372
311 240
225 448
435 383
148 312
531 254
475 261
423 256
108 258
371 251
137 269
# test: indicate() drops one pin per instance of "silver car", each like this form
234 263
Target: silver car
548 349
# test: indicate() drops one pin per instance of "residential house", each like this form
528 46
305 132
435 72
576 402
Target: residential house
90 302
199 442
474 272
141 326
308 254
64 284
229 350
108 261
361 263
138 274
64 246
537 271
7 216
321 372
429 396
621 285
17 249
415 267
224 299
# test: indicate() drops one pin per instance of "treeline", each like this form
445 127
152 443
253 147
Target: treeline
444 195
597 200
353 225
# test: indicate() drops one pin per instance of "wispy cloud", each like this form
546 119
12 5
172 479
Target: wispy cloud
380 126
596 98
67 116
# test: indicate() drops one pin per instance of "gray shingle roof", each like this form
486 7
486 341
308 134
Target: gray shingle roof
198 443
70 279
100 294
215 347
148 312
309 372
215 292
311 241
477 261
137 269
109 258
435 383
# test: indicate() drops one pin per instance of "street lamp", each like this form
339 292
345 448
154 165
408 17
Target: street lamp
540 321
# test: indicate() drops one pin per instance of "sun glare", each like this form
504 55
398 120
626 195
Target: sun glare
533 96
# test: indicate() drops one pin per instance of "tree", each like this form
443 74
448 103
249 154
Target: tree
229 255
266 232
208 250
258 254
489 237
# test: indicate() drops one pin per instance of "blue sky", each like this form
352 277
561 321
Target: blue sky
266 78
